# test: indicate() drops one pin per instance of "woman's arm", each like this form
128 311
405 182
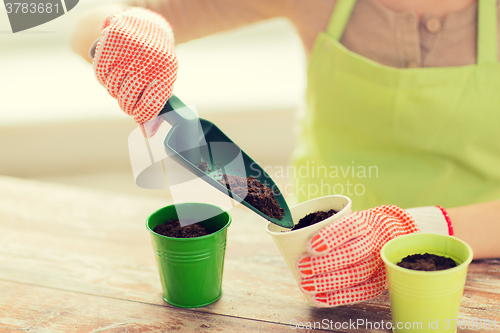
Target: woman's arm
479 226
190 19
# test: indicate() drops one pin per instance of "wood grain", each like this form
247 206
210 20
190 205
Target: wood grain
94 243
40 309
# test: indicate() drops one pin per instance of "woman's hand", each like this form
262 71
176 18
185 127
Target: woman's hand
135 61
343 263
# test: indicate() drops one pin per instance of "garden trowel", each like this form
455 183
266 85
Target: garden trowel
202 148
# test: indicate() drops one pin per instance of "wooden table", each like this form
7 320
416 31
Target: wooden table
78 260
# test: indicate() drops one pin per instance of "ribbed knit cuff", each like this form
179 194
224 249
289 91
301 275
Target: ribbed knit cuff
433 219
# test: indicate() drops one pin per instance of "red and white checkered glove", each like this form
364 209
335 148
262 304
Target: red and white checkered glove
343 263
135 61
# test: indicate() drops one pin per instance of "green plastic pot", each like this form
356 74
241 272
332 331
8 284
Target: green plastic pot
191 268
425 301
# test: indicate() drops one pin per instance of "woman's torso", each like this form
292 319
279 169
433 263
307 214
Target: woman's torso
409 136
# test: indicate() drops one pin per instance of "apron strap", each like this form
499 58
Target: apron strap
487 32
340 16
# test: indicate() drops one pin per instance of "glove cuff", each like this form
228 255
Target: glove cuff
433 219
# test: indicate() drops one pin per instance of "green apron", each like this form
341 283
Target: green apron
408 137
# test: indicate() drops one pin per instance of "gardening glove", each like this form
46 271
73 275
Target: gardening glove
343 263
135 61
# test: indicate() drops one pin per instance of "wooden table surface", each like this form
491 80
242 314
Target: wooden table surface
79 260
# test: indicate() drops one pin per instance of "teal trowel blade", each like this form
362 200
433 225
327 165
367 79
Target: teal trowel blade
222 156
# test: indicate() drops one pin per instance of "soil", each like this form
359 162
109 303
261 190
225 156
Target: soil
313 218
256 194
427 262
172 228
203 167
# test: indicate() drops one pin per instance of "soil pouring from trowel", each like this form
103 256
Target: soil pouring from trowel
199 146
202 148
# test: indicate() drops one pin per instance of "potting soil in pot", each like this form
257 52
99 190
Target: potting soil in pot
427 262
172 228
313 218
256 194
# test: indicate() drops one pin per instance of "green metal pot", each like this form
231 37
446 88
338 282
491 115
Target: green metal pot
191 268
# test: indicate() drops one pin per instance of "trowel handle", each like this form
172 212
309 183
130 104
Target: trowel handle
175 112
181 113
